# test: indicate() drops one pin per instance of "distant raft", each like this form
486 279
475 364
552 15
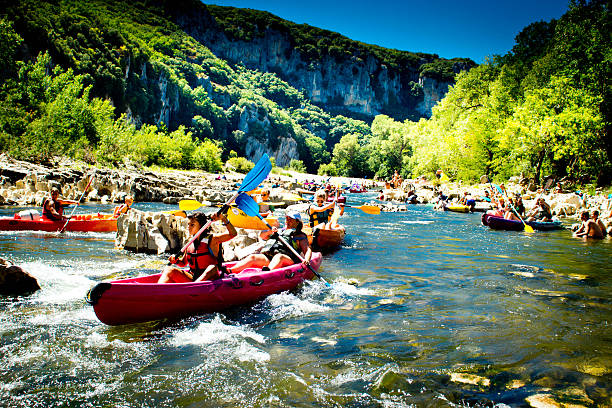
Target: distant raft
500 223
32 221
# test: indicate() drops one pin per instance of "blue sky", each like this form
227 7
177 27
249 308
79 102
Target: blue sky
459 28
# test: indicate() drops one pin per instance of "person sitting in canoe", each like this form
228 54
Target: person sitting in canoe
53 206
467 201
263 198
125 207
274 254
320 211
541 212
515 209
499 207
588 228
204 256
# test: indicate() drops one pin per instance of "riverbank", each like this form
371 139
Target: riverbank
27 184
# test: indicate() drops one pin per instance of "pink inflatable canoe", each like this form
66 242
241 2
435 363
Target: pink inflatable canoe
143 299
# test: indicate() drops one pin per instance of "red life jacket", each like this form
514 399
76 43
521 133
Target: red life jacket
199 256
58 207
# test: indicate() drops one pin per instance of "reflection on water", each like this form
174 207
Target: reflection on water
425 309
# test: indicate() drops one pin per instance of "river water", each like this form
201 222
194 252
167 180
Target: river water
425 309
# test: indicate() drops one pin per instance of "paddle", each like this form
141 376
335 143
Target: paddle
527 227
250 207
278 203
251 180
78 202
368 209
336 214
192 205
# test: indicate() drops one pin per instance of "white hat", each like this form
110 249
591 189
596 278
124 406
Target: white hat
295 215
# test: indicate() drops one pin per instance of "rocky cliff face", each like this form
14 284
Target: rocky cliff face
362 86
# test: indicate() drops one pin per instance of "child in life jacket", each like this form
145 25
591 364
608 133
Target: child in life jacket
203 257
123 208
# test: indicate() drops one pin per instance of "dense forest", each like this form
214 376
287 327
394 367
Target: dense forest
93 80
542 109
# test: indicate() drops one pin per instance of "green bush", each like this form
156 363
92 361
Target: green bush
240 164
297 165
327 170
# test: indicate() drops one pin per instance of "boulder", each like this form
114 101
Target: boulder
565 204
148 232
15 281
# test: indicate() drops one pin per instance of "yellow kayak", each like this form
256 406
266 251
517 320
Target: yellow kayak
240 220
458 208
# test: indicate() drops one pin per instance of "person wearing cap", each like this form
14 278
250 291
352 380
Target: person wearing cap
123 208
53 206
275 254
203 257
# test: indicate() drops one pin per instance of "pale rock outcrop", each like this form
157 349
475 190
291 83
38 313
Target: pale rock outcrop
148 232
160 233
564 204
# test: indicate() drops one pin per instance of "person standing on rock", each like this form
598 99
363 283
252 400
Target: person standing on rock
53 207
203 257
123 208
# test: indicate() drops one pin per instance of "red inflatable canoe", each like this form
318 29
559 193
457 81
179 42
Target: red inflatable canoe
78 223
143 299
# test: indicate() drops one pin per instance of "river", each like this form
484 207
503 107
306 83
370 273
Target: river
425 309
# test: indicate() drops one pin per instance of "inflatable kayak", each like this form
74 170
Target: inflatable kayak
31 221
240 220
325 239
500 223
142 299
458 208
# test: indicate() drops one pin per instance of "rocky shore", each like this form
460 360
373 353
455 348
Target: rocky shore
27 184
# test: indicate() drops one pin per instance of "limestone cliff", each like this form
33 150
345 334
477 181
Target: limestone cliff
351 81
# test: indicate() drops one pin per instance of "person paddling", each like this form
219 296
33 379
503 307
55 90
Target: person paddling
204 256
274 254
53 206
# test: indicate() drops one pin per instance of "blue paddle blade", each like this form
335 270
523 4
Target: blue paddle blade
246 203
257 174
498 188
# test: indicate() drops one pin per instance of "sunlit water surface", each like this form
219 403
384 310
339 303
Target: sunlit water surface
421 303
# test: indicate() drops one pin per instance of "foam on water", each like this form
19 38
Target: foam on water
289 305
417 222
235 341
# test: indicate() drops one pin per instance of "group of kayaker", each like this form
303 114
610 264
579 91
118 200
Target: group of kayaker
203 258
53 206
590 227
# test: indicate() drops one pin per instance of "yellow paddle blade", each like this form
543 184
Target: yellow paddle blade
191 205
369 209
279 203
293 197
528 228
